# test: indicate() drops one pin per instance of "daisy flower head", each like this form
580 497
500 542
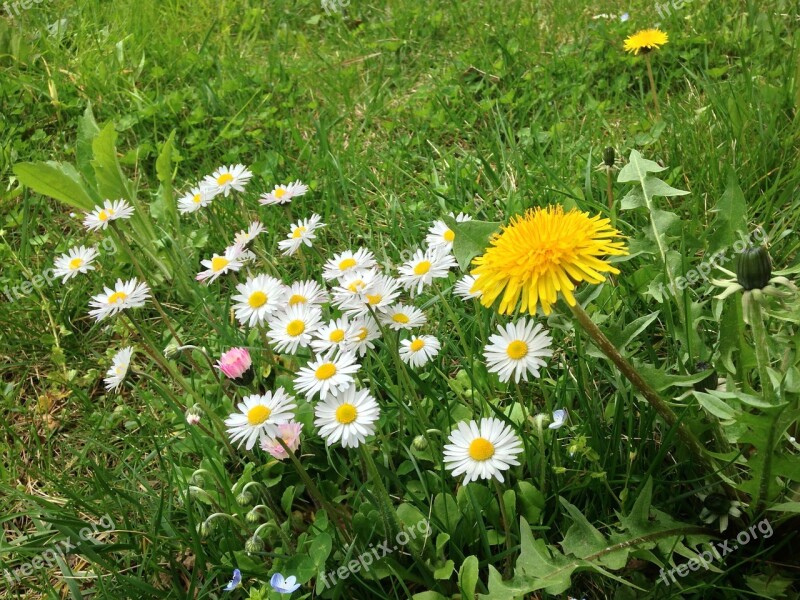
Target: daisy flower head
246 236
348 262
335 336
259 416
78 260
517 349
542 253
645 41
306 292
367 331
463 288
424 267
327 374
101 216
441 236
198 197
126 294
225 179
119 368
401 316
378 295
283 194
235 363
301 233
231 260
292 329
347 417
419 350
351 286
258 298
290 434
481 450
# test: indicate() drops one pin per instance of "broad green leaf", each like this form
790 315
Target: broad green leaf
445 571
468 577
633 199
56 180
111 183
531 501
731 216
320 549
716 406
790 507
87 132
472 239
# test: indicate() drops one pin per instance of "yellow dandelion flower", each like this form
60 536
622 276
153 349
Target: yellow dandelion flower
543 253
645 40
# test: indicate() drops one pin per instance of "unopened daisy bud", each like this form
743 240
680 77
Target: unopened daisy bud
559 470
254 544
194 414
244 498
204 530
197 479
754 269
609 156
253 516
420 443
236 364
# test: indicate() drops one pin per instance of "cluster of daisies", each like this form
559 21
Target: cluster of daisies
332 322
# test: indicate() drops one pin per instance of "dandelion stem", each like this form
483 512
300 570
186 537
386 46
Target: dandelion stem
652 83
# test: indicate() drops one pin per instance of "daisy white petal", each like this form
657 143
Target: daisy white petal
306 292
481 450
419 350
101 216
292 329
259 416
327 374
126 294
198 197
301 233
282 194
463 288
378 295
231 260
351 286
440 236
258 298
246 236
335 336
225 179
119 368
348 262
518 349
78 260
401 316
424 267
347 417
367 330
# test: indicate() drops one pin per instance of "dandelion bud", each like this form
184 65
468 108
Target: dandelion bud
254 544
710 382
609 157
420 443
754 268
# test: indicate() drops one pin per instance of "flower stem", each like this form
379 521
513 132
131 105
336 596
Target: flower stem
661 407
391 521
652 83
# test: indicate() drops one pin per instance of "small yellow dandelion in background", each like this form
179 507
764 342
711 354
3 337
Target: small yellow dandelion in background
645 41
542 253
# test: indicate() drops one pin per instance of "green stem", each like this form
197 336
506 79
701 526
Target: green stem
391 521
506 524
652 83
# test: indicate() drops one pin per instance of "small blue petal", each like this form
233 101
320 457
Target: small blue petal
235 582
283 586
559 417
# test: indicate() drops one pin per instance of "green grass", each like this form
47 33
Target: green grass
396 114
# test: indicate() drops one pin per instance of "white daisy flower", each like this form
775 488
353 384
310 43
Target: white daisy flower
335 336
348 417
463 288
306 292
126 294
351 286
259 416
246 236
424 267
78 260
258 298
101 216
481 451
348 262
231 260
326 374
225 179
198 197
301 233
367 330
441 236
292 329
282 194
518 349
401 316
419 350
119 368
378 295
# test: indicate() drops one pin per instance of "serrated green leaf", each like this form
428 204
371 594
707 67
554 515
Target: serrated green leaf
637 168
472 239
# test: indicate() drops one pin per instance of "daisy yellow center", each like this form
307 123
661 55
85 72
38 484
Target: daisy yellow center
347 263
103 215
346 413
295 328
449 235
517 350
422 267
298 232
362 334
196 198
336 336
417 345
280 193
76 263
258 414
257 299
117 297
356 286
325 371
218 263
297 299
224 178
400 318
481 449
374 299
544 253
